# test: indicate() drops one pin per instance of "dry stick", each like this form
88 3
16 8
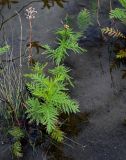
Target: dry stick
111 9
110 5
17 83
111 75
75 142
21 38
20 72
98 2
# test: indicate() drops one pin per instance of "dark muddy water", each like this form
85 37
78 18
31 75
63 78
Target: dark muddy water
97 133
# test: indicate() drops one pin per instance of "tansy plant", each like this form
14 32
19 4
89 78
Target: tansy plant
67 39
49 92
49 98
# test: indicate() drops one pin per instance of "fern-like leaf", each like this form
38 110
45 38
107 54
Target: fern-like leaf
64 103
84 19
42 114
118 14
17 149
34 110
121 54
123 3
50 98
57 134
4 49
67 40
16 133
61 73
113 32
50 117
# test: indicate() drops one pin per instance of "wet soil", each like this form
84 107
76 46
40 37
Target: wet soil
100 134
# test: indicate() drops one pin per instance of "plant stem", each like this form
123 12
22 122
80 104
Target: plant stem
30 41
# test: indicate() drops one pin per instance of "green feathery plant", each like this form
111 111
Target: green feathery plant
67 40
93 8
84 19
49 98
4 49
17 149
49 93
17 134
121 54
119 13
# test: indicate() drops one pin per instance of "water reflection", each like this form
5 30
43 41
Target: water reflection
74 123
72 127
56 153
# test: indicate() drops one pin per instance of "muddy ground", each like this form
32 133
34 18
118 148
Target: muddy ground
103 137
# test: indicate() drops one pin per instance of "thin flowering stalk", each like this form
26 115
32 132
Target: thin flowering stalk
30 14
30 40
